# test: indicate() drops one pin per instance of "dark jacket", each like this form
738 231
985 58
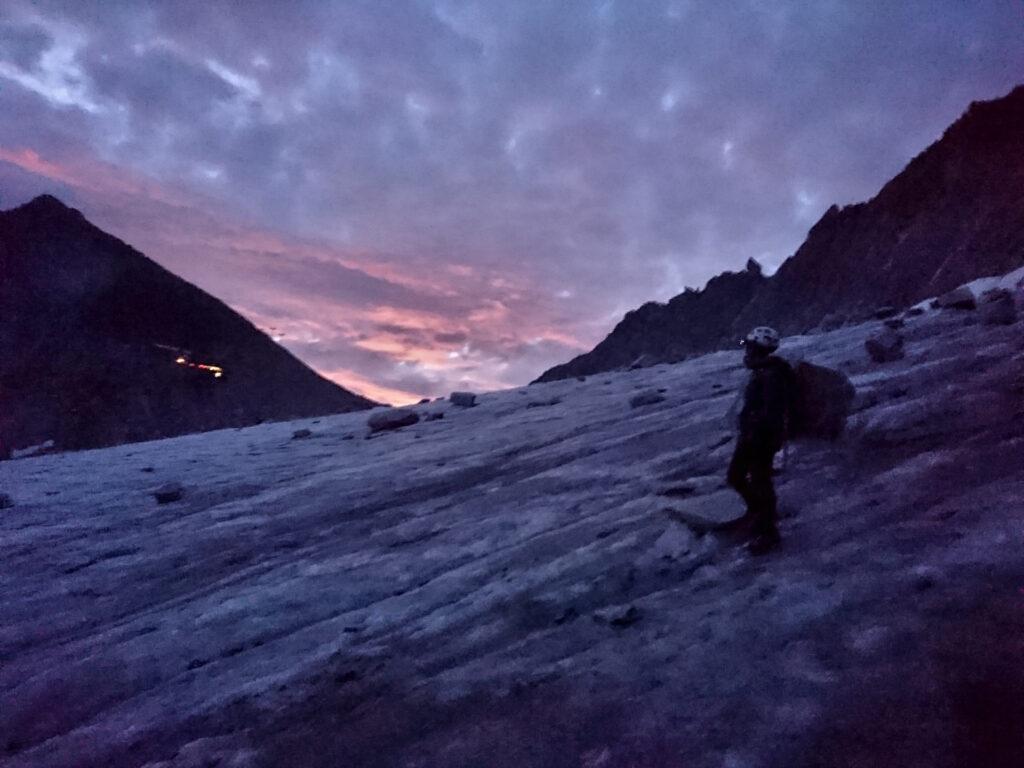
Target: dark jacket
768 403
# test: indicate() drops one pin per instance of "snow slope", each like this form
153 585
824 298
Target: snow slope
458 592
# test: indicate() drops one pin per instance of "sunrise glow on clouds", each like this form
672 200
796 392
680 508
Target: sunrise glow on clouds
416 197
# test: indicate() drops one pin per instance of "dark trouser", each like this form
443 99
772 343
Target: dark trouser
750 473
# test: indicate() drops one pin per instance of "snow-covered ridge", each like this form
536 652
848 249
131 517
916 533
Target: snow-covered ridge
512 569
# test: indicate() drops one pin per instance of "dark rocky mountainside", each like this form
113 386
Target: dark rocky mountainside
694 320
101 345
956 212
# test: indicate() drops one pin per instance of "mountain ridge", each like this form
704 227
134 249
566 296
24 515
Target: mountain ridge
106 344
952 214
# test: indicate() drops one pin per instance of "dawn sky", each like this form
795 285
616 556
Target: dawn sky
417 197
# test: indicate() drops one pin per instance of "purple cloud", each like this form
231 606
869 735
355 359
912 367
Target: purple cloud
469 192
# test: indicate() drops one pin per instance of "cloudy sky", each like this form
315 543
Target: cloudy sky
419 196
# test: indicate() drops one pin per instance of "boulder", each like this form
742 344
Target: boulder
168 493
995 294
708 512
301 434
883 313
648 397
885 347
393 418
958 298
674 543
618 616
433 416
822 404
894 323
462 399
695 486
543 403
914 312
998 307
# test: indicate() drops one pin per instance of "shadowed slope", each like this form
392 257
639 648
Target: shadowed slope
91 330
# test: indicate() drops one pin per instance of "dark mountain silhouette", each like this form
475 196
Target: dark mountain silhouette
101 345
956 212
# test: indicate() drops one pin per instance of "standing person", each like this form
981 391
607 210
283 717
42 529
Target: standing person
767 403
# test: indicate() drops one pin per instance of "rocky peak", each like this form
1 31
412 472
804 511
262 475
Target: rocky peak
92 332
953 214
47 206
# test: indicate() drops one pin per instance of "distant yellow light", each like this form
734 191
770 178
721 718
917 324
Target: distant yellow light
216 370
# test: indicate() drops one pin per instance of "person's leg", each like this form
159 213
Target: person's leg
738 475
762 492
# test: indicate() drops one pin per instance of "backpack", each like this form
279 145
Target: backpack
819 404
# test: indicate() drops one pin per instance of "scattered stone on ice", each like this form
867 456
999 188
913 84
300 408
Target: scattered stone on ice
648 397
301 434
393 418
708 511
958 298
619 616
998 308
885 347
462 399
168 493
673 544
543 403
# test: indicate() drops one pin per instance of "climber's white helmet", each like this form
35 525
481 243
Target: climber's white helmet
763 337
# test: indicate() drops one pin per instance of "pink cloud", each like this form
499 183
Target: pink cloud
390 329
354 382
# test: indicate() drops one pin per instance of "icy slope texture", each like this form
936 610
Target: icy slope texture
505 587
954 213
82 315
